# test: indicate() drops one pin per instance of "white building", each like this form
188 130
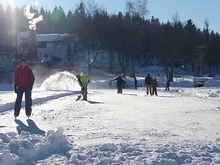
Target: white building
50 46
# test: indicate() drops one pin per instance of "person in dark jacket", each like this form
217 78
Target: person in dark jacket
120 83
83 82
167 85
135 83
23 83
154 86
148 80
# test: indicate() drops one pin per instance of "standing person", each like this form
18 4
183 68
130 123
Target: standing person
154 86
110 84
83 81
120 83
167 85
135 83
148 80
23 83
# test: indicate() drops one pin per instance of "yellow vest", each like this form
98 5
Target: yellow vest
83 81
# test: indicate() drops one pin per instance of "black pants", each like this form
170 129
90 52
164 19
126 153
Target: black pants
28 100
84 93
167 88
154 91
119 89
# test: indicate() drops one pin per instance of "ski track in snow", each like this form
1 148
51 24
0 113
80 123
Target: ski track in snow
176 127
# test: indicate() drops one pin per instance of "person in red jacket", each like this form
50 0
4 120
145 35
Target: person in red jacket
154 86
23 83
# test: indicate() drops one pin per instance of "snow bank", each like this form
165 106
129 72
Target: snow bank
28 149
54 147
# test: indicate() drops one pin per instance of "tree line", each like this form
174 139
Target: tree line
128 37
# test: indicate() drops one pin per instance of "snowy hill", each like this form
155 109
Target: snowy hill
180 126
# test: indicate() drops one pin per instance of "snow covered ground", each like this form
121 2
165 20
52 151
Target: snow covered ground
180 126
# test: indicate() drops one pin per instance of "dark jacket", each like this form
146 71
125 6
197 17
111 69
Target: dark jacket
119 81
148 79
168 83
24 76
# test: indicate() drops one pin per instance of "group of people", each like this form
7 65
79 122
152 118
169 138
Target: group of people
151 84
24 80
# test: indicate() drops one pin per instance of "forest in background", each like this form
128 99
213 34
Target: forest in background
130 37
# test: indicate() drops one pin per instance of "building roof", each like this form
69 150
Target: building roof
44 37
49 37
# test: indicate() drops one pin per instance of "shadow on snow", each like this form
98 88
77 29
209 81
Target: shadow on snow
10 106
32 128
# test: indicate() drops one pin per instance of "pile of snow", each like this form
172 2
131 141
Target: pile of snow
28 148
53 148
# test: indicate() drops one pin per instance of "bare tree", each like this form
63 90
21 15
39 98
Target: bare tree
206 24
139 7
92 8
176 18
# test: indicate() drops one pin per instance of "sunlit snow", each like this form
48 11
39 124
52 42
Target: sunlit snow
180 126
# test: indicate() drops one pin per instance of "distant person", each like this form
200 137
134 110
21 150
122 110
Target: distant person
148 80
83 82
23 83
120 83
135 83
154 86
167 85
110 84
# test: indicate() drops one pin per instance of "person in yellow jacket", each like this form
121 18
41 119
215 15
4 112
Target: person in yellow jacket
83 82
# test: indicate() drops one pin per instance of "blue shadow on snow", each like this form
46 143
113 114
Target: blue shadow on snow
32 128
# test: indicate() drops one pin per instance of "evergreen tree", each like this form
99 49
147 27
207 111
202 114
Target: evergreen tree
126 37
190 41
59 22
3 27
45 26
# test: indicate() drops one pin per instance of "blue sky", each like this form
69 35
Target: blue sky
197 10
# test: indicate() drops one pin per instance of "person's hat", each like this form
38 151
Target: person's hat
23 60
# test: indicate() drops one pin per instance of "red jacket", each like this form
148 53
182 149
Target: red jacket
24 76
168 83
154 83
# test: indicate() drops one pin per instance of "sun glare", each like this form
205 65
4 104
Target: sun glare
11 1
20 3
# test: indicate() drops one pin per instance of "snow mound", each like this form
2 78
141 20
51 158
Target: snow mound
174 153
214 95
31 148
54 147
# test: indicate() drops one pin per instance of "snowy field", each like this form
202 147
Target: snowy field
177 127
